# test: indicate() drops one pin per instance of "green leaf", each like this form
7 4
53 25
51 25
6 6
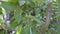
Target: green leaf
13 24
0 11
19 30
58 29
27 29
8 6
13 1
22 2
18 16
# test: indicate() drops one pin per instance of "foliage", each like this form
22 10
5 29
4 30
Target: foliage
29 16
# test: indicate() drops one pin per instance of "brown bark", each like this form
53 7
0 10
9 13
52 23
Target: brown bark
48 15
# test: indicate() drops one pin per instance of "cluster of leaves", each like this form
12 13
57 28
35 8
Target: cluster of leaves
29 16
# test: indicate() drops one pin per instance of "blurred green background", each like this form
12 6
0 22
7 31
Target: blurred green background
29 16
